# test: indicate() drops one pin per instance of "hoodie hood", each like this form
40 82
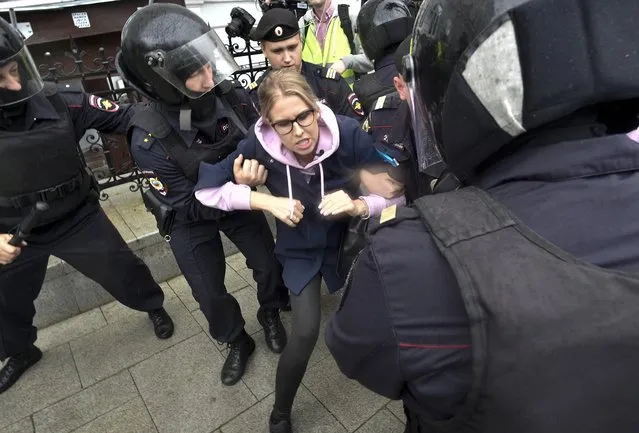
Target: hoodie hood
328 141
327 144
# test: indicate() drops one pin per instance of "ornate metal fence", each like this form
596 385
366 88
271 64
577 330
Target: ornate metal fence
107 155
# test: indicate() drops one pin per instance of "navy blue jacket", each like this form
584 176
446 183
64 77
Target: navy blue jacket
402 327
312 246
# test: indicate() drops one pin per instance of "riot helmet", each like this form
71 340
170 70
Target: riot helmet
382 25
482 73
19 77
163 45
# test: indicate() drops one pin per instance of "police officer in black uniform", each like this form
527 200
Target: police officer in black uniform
389 123
40 162
279 34
510 304
382 25
171 55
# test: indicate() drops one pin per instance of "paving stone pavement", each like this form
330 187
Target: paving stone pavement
104 371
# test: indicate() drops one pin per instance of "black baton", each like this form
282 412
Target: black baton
24 229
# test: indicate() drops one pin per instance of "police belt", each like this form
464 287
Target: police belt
46 195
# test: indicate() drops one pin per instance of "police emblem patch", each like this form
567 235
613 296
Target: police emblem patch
157 185
353 100
103 104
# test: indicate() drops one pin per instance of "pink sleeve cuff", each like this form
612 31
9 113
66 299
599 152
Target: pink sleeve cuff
377 204
227 197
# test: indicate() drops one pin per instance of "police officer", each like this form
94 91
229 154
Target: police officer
389 123
40 162
279 35
382 26
502 306
171 55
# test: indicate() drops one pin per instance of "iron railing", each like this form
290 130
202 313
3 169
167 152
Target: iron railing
108 155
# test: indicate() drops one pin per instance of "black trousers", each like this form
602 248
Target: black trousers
89 242
197 247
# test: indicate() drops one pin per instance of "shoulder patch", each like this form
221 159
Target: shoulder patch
156 184
353 101
103 104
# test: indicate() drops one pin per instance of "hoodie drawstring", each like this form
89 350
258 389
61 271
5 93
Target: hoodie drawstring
321 180
290 187
290 191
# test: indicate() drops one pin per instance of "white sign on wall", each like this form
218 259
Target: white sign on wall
81 20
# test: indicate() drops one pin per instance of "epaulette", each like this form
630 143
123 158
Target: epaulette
69 87
330 74
147 141
391 216
252 85
388 101
153 125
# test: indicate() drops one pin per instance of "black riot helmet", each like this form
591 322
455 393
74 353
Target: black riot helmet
162 45
19 78
382 25
482 73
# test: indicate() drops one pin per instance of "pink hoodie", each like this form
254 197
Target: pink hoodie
237 197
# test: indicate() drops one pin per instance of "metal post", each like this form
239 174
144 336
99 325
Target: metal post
14 20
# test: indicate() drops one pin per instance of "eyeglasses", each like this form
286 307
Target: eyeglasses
305 118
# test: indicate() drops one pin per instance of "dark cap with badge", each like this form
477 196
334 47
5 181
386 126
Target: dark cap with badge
276 25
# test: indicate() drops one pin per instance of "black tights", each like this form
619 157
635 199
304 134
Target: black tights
301 342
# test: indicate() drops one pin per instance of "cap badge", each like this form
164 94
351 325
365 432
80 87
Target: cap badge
278 31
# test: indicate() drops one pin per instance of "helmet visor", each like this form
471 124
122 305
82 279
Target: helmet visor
180 64
19 78
428 156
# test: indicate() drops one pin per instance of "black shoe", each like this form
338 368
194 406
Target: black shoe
278 423
162 323
17 365
274 332
239 352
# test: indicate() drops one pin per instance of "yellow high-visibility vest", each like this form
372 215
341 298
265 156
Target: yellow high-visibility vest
336 46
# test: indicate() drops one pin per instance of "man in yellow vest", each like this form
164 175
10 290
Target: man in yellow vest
328 37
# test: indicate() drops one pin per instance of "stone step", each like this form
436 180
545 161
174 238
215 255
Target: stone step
66 292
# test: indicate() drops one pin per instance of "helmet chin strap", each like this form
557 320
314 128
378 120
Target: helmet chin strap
199 109
185 118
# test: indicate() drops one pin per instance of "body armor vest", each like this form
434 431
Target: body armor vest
555 340
368 88
188 158
42 158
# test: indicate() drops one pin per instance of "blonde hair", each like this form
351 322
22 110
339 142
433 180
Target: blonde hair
281 83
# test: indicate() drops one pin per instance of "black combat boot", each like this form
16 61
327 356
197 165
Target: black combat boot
17 365
239 352
162 323
279 423
274 332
